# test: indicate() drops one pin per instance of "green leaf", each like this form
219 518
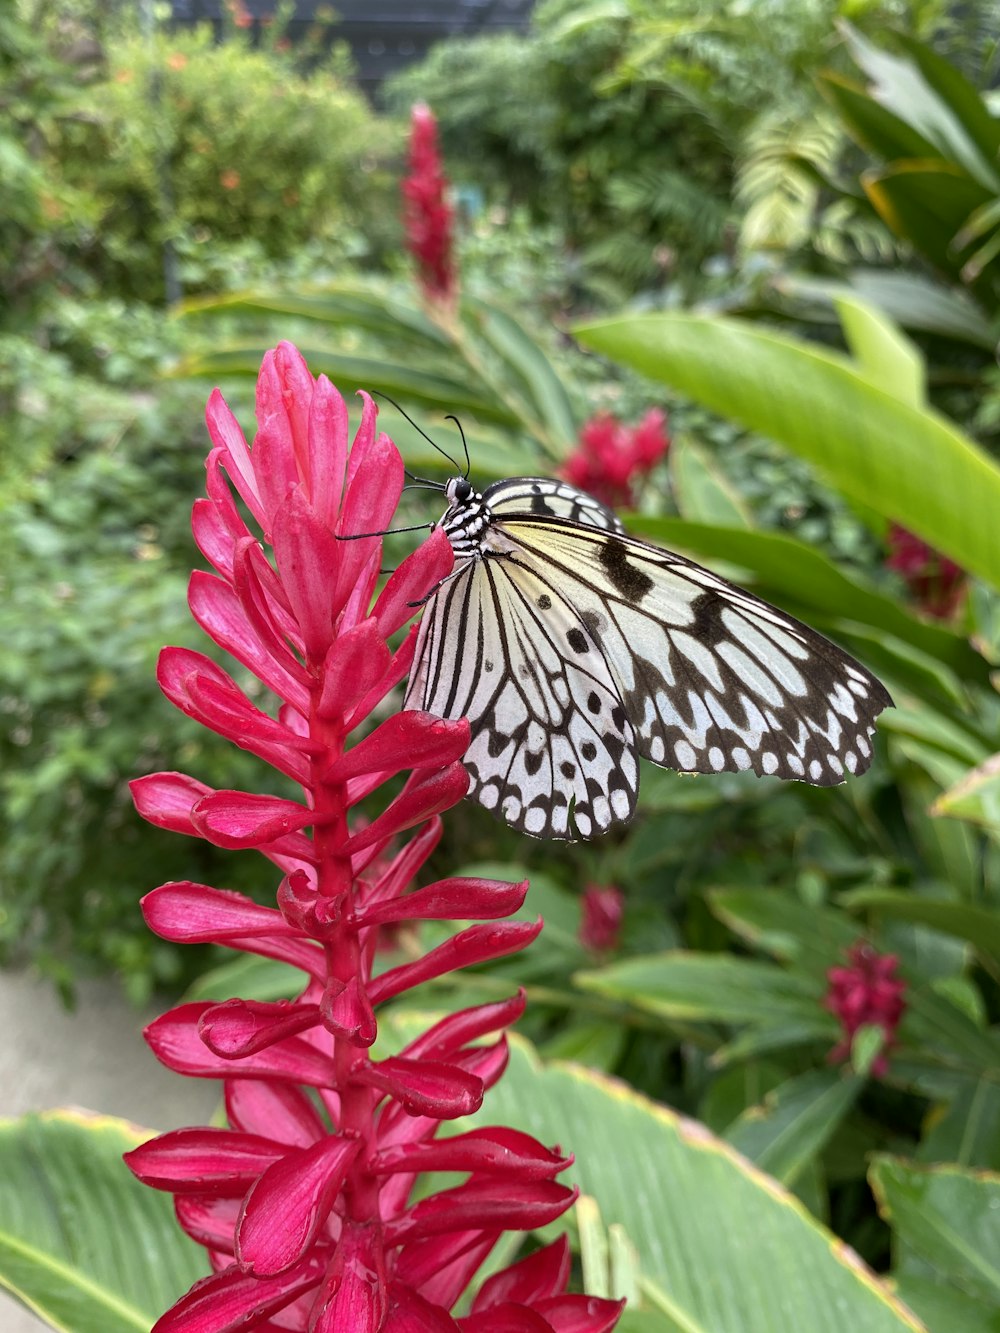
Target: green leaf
528 369
250 978
929 307
494 452
926 203
702 491
968 1133
352 305
912 466
960 96
975 797
932 1022
721 1247
428 388
795 1122
932 728
946 1216
82 1243
956 123
803 581
708 988
783 926
873 126
979 925
887 356
943 1308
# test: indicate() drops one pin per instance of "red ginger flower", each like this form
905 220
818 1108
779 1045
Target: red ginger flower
866 993
937 583
612 457
427 214
304 1203
601 918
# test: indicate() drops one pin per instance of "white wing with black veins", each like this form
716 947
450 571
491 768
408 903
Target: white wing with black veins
552 750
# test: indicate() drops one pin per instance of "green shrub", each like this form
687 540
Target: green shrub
208 146
94 556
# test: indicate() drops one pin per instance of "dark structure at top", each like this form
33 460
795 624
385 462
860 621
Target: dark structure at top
384 35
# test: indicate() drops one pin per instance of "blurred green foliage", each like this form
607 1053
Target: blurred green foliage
661 142
212 146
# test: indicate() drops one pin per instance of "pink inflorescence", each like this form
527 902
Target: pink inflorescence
601 916
866 993
612 458
936 583
428 216
305 1203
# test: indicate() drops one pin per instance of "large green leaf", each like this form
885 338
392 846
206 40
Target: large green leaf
944 1308
886 354
958 95
975 797
519 360
968 1132
929 307
702 491
82 1243
947 1217
911 465
721 1247
932 1023
481 362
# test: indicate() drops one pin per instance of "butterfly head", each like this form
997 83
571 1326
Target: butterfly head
467 518
459 491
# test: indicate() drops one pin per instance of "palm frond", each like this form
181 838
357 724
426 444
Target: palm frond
777 177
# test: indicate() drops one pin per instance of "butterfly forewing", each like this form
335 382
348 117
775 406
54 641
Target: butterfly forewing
552 751
711 677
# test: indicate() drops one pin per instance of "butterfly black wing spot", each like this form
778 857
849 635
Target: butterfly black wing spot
633 583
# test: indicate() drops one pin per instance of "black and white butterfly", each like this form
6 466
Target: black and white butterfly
573 649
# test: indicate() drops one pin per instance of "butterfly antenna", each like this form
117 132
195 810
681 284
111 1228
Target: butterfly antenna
377 393
465 446
425 483
386 532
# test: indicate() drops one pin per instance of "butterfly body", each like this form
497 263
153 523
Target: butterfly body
574 648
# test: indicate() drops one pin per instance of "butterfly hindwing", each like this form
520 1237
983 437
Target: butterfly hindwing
552 750
711 677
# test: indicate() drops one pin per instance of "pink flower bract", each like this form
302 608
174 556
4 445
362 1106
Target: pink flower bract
866 993
612 458
428 216
936 583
